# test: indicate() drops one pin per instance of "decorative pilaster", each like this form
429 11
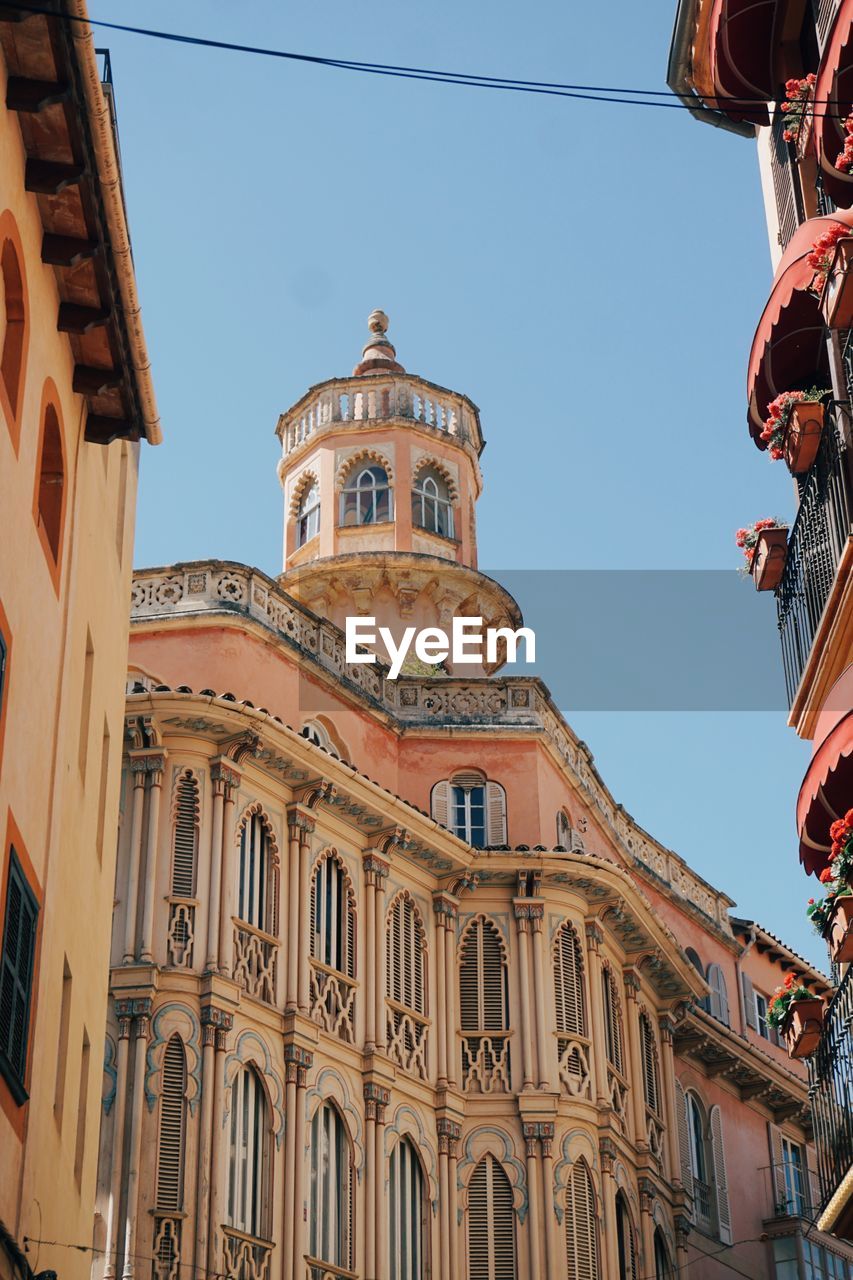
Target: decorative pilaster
138 768
231 779
212 1019
124 1015
300 826
302 1059
219 1152
648 1196
448 1139
537 914
140 1011
379 872
594 940
156 765
607 1151
381 1098
303 972
521 910
546 1140
635 1078
446 909
683 1227
375 874
534 1216
217 782
376 1099
666 1024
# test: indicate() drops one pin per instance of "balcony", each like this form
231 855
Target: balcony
703 1206
317 1270
831 1096
245 1257
818 539
485 1062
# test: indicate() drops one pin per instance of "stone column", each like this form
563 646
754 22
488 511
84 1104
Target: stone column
683 1227
607 1149
534 1216
369 970
546 1139
123 1013
141 1010
452 1175
217 782
303 985
293 1059
379 1174
647 1225
670 1103
522 923
635 1058
138 766
299 828
219 1152
156 765
450 913
594 939
440 1000
228 874
376 1099
211 1019
445 1207
380 871
537 913
303 1060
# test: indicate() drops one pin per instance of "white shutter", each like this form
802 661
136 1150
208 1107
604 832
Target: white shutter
683 1138
724 1217
441 803
581 1236
170 1148
491 1224
777 1166
749 1003
495 813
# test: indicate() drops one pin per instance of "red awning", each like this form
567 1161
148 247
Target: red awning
826 794
789 347
741 38
833 98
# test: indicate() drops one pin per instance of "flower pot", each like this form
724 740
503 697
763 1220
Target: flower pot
768 563
803 436
836 301
802 1027
839 930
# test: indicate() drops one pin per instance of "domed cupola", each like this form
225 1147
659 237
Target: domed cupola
381 474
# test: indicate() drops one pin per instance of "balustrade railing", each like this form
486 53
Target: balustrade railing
255 959
831 1090
407 1038
816 542
703 1206
573 1065
654 1134
485 1061
317 1270
332 1001
181 934
245 1257
166 1253
618 1094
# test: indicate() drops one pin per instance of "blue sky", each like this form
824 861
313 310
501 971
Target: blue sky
591 275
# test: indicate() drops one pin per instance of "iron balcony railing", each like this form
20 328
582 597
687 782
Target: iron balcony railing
702 1206
831 1091
815 545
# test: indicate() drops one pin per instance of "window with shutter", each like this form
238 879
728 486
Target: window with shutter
564 830
625 1242
651 1079
684 1138
484 1007
170 1147
332 947
749 1002
185 836
581 1228
721 1188
407 1233
612 1019
472 807
718 1005
570 1010
440 803
255 905
491 1223
248 1156
332 1191
16 977
405 985
663 1267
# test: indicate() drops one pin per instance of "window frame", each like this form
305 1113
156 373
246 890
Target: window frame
308 517
320 1179
261 1163
12 397
16 1079
413 1263
377 493
441 505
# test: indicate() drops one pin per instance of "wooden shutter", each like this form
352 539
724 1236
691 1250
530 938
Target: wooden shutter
581 1234
777 1166
170 1151
491 1224
441 803
719 1003
651 1087
484 1004
815 1199
683 1138
404 955
749 1002
568 982
724 1218
185 836
16 971
613 1020
495 813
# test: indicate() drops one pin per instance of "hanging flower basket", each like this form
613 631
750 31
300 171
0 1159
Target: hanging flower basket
803 439
839 929
765 549
799 111
836 299
802 1027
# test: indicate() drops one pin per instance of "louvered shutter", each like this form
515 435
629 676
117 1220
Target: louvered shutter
719 1004
493 979
16 969
650 1064
721 1188
405 1213
683 1138
441 803
495 813
777 1166
815 1200
581 1234
613 1020
568 983
185 837
170 1152
749 1002
491 1224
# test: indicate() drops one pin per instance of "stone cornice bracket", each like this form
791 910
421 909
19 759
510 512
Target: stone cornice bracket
648 1194
683 1227
607 1150
539 1131
449 1133
317 791
246 744
136 1009
445 907
632 982
297 1063
224 775
391 838
376 1099
465 883
300 824
215 1025
375 870
667 1023
529 884
148 761
594 935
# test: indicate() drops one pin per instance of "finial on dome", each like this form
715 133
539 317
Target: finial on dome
378 354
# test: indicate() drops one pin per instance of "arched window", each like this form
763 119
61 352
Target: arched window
431 506
612 1019
704 1156
308 514
564 830
408 1233
256 905
718 1001
484 1007
405 985
331 1217
51 484
170 1145
570 1010
581 1232
696 961
366 497
625 1243
333 948
12 326
491 1223
248 1157
472 807
663 1269
649 1053
319 735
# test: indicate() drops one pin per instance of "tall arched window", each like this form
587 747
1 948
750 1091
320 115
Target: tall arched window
625 1243
570 1011
405 985
170 1145
185 825
581 1232
256 905
333 947
491 1223
248 1155
408 1233
695 959
51 484
431 506
703 1164
663 1270
471 806
649 1053
12 325
331 1217
308 514
484 1008
564 830
366 497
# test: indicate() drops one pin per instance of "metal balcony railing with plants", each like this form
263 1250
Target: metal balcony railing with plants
831 1091
703 1210
817 540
